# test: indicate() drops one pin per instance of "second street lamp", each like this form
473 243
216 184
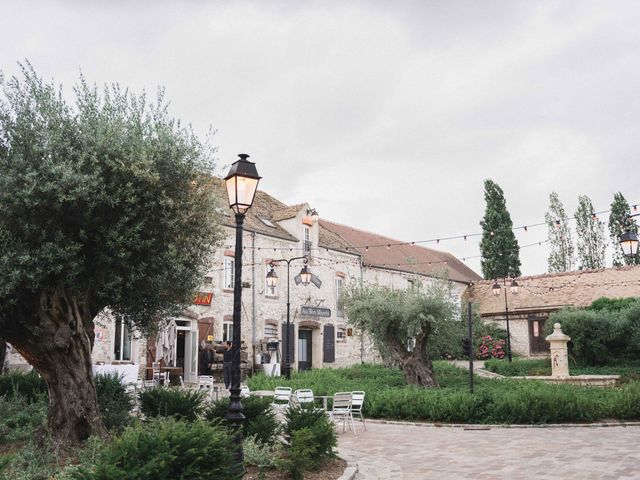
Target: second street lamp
496 291
242 184
629 239
272 280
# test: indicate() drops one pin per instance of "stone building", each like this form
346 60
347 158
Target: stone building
319 332
540 295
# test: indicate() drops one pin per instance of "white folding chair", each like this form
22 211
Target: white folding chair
281 399
244 391
205 382
357 401
341 410
146 384
304 396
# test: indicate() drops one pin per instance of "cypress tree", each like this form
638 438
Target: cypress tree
561 256
618 224
498 247
591 239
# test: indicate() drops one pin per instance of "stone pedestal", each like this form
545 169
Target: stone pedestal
559 358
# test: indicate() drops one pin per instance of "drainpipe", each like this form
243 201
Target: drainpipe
253 301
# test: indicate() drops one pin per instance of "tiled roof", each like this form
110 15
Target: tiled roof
286 212
263 206
555 290
406 258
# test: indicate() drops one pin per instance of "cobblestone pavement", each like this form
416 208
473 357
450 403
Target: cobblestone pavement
408 452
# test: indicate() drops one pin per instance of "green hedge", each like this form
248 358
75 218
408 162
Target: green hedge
28 385
494 401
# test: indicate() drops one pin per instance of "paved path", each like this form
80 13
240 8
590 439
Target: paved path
390 451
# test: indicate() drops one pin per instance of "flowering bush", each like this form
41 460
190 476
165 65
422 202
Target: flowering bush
490 348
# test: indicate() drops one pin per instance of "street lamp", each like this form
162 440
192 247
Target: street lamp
496 291
242 184
629 239
272 280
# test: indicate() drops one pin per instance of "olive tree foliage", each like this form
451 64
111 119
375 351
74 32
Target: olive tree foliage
104 204
592 242
561 256
619 223
401 322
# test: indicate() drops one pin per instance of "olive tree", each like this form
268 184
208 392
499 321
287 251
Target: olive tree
401 322
104 204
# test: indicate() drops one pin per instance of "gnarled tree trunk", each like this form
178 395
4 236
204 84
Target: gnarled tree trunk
57 341
416 365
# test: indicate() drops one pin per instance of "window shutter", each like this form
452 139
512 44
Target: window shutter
292 343
329 344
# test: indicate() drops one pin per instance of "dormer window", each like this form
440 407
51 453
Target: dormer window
306 241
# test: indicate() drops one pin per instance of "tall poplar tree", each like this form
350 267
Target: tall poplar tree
618 224
498 247
561 256
591 238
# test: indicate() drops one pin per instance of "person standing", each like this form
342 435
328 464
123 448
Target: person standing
227 359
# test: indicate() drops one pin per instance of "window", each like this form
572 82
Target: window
122 342
306 241
229 272
341 334
339 304
269 291
270 331
227 331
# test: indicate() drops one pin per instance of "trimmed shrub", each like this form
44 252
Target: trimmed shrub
166 449
114 401
262 455
260 421
612 304
172 402
28 385
311 437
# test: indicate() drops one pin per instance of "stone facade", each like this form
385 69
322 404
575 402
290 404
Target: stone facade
274 231
540 295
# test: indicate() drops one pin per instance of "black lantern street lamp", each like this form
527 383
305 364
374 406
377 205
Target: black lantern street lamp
272 280
496 291
629 239
242 184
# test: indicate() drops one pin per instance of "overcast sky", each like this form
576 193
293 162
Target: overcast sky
386 116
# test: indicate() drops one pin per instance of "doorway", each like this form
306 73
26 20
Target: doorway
305 352
537 343
186 349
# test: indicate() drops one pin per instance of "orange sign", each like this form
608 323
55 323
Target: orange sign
203 298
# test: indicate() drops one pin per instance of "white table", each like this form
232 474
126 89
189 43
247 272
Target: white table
128 372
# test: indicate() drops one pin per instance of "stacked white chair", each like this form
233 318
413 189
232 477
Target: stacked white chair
341 410
357 401
244 391
281 399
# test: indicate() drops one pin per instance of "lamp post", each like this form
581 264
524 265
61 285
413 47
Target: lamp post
242 184
496 292
629 239
272 280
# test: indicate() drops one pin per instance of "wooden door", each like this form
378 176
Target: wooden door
537 343
304 350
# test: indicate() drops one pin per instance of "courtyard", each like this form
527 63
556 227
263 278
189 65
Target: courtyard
415 452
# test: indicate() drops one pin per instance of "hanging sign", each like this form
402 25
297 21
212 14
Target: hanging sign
203 298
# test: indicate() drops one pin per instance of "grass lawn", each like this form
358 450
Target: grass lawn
494 401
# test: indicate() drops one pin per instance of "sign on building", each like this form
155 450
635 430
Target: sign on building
203 298
307 311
